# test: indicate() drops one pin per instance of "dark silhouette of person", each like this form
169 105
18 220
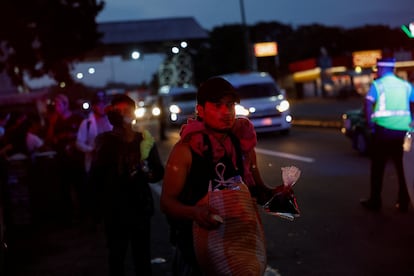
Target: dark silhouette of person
124 163
61 136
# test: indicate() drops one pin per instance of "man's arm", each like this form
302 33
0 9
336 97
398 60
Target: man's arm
262 193
369 103
412 105
368 110
176 171
412 113
82 136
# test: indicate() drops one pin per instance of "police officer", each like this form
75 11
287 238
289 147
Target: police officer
387 109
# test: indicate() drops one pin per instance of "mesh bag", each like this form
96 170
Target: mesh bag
237 246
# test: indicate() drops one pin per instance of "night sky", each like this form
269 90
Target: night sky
215 13
212 13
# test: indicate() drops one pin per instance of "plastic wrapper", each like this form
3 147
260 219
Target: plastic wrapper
283 203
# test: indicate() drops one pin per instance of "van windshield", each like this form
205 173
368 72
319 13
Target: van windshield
259 90
184 97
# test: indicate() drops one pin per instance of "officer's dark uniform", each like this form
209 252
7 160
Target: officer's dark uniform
387 107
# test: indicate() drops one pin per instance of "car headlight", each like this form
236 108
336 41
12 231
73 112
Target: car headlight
174 109
156 111
283 106
140 112
241 110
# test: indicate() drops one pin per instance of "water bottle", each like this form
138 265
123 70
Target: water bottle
407 141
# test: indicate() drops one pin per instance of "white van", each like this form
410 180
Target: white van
262 101
179 102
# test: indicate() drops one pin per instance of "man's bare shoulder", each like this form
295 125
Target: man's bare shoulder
180 150
181 147
180 155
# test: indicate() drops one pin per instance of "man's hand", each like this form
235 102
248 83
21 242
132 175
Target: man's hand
207 217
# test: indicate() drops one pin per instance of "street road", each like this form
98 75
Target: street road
333 236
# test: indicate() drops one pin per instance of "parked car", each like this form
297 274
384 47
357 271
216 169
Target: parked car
355 127
179 102
262 101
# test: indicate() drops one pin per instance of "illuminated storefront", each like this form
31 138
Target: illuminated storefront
347 75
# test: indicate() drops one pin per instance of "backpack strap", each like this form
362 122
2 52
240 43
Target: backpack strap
239 155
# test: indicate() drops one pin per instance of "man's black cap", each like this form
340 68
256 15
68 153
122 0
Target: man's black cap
214 89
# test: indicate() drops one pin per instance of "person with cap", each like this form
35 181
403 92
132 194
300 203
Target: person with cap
214 136
124 163
96 123
388 107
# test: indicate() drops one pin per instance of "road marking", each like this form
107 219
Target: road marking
157 187
270 152
285 155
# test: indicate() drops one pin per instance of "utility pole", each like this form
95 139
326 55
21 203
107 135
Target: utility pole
248 57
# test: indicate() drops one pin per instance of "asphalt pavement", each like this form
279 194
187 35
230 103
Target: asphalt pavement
50 248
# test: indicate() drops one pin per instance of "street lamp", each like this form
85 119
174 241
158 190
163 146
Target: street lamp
245 37
135 55
243 15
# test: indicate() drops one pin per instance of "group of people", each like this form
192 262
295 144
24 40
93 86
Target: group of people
19 139
103 168
215 149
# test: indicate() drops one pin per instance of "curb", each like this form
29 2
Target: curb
317 123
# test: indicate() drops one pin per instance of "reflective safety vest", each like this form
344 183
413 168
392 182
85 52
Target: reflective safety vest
392 108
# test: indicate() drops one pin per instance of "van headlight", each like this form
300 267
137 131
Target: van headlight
174 109
283 106
241 110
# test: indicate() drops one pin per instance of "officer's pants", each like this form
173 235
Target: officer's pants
387 145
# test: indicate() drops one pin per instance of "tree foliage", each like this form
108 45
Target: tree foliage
300 43
45 37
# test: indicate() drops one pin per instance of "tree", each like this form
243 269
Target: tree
306 41
45 37
228 48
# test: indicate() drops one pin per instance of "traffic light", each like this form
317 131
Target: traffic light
408 30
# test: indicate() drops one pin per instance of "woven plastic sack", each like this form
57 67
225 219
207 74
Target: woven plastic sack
237 247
